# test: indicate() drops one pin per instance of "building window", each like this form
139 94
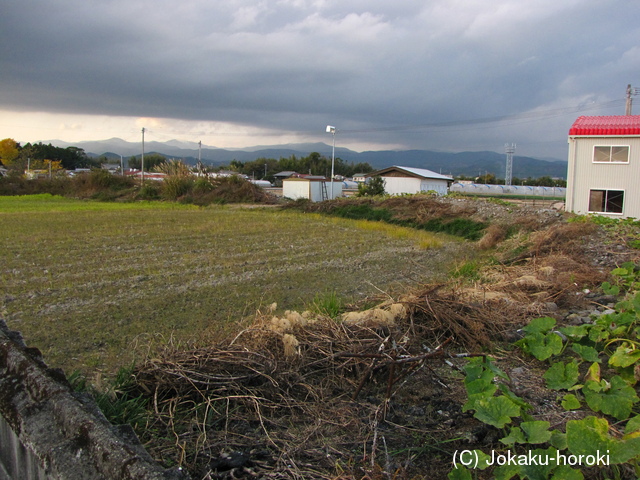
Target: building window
611 154
606 201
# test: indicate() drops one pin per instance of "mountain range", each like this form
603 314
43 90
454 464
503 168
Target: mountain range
462 163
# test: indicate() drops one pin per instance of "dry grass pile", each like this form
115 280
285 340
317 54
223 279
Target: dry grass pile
300 395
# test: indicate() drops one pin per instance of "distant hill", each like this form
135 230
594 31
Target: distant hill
463 163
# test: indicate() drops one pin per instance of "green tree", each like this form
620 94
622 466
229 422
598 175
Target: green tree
151 161
374 187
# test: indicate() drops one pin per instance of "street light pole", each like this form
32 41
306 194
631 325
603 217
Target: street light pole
332 131
142 158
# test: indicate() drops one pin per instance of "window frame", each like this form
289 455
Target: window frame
606 201
611 161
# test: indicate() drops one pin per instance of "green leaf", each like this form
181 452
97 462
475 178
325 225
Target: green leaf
496 411
460 473
570 402
562 377
542 346
598 333
537 431
593 373
624 356
515 436
615 399
587 353
558 440
575 332
514 398
565 472
633 425
590 436
540 325
609 289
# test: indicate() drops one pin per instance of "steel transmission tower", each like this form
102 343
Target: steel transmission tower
510 150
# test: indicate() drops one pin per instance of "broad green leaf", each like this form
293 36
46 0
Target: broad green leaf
539 472
624 356
598 333
590 436
540 325
633 425
496 411
542 346
558 440
562 377
515 436
565 472
616 399
609 289
460 473
586 352
536 431
514 398
575 332
593 373
570 402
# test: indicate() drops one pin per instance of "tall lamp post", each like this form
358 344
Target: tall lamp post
332 131
142 160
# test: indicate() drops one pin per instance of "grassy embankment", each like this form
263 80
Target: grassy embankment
94 285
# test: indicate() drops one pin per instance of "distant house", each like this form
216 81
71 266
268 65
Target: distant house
604 166
313 188
399 180
359 177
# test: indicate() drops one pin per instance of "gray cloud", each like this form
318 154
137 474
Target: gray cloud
369 67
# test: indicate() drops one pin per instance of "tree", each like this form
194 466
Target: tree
151 161
374 187
9 151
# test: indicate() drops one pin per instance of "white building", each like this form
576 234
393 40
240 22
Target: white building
314 189
399 180
604 166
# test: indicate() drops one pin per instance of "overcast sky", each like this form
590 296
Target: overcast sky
449 75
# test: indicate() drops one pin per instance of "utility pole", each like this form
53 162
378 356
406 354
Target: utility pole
630 92
142 158
509 150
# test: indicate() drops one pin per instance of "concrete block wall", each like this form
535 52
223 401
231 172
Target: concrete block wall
50 432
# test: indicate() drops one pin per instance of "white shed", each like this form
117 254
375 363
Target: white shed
399 180
315 189
604 166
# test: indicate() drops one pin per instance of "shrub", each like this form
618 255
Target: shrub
175 186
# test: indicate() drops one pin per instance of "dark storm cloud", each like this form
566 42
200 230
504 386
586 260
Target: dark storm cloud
370 67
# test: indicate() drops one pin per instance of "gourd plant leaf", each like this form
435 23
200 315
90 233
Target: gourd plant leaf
615 398
496 411
516 435
460 473
562 376
624 356
540 325
590 436
586 352
542 346
537 431
632 428
565 472
570 402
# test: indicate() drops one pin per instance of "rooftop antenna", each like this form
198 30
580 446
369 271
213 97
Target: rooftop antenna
630 92
509 150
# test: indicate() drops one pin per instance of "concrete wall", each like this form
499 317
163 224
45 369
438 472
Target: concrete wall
49 432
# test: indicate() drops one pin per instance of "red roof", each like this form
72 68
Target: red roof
606 125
